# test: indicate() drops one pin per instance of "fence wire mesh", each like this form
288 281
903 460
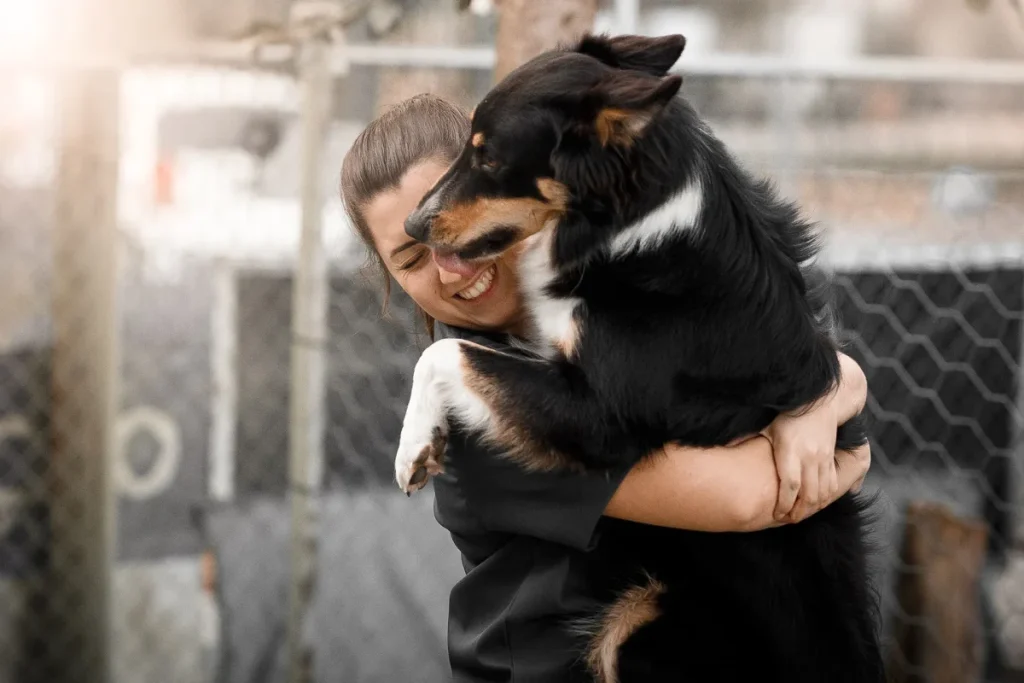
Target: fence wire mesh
920 187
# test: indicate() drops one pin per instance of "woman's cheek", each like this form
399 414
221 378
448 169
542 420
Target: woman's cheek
419 290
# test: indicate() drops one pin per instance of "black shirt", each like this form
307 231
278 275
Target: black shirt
524 539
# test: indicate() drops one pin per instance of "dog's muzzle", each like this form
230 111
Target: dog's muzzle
417 225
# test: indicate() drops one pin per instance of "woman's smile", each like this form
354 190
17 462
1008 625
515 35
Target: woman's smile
481 286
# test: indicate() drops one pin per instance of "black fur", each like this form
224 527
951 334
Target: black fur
705 339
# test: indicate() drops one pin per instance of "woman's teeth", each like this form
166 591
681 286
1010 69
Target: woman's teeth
482 284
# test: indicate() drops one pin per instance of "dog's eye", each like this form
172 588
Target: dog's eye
486 161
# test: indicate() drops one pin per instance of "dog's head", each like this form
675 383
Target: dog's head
514 176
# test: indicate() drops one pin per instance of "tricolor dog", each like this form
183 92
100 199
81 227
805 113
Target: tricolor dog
672 300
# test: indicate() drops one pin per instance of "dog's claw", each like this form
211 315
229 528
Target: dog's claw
412 474
419 477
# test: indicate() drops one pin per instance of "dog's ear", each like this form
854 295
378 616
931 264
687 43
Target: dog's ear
626 103
654 56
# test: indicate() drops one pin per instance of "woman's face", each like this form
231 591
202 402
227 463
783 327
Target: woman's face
487 300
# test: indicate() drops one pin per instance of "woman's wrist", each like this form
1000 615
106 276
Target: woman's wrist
852 392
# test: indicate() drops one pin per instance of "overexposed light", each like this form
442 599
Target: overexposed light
24 26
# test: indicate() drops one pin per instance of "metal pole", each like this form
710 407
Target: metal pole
923 70
1016 469
627 16
786 114
84 380
309 336
223 368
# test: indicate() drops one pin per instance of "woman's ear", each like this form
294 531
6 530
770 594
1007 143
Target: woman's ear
627 102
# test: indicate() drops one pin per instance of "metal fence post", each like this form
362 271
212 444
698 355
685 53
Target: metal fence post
309 336
1016 468
84 380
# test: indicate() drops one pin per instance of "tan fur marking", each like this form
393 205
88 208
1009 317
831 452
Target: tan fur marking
463 223
619 126
555 192
478 140
636 607
511 437
567 344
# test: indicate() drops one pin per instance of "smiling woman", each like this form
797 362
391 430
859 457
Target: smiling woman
480 295
483 296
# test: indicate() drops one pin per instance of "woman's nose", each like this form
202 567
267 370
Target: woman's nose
447 276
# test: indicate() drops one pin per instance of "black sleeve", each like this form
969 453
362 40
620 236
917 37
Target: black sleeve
561 507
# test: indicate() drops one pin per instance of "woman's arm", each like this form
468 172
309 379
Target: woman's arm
716 489
738 488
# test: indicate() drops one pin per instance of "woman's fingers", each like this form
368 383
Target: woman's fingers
788 466
852 467
829 479
810 493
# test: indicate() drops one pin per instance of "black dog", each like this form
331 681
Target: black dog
673 302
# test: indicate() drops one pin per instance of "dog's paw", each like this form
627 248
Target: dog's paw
417 461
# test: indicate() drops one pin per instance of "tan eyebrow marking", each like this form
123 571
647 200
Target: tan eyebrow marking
478 140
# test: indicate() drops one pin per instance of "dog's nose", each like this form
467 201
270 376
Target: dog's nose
417 225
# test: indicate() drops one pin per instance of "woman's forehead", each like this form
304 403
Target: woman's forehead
386 213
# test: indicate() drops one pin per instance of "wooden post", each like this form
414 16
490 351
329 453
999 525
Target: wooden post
527 28
937 636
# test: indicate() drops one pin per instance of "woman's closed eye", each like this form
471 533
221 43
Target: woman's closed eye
417 257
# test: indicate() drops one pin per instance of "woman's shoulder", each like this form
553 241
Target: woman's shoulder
491 340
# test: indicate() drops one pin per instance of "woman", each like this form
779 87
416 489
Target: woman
525 537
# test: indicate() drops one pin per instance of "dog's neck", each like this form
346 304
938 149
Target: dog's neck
678 181
635 196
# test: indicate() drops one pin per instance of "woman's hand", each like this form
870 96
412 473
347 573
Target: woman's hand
851 467
804 446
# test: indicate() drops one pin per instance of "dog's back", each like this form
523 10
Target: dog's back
700 338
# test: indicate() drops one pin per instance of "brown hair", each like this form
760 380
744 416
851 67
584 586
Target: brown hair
422 128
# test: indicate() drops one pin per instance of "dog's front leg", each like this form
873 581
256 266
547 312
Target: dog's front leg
531 408
438 390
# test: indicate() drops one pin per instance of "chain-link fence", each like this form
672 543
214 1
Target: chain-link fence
917 174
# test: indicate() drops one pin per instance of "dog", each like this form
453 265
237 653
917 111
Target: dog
673 299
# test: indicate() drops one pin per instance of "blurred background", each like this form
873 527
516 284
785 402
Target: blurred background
199 400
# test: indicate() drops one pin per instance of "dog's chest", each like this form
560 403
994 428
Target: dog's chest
556 320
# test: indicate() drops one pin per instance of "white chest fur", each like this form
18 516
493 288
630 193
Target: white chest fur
553 317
